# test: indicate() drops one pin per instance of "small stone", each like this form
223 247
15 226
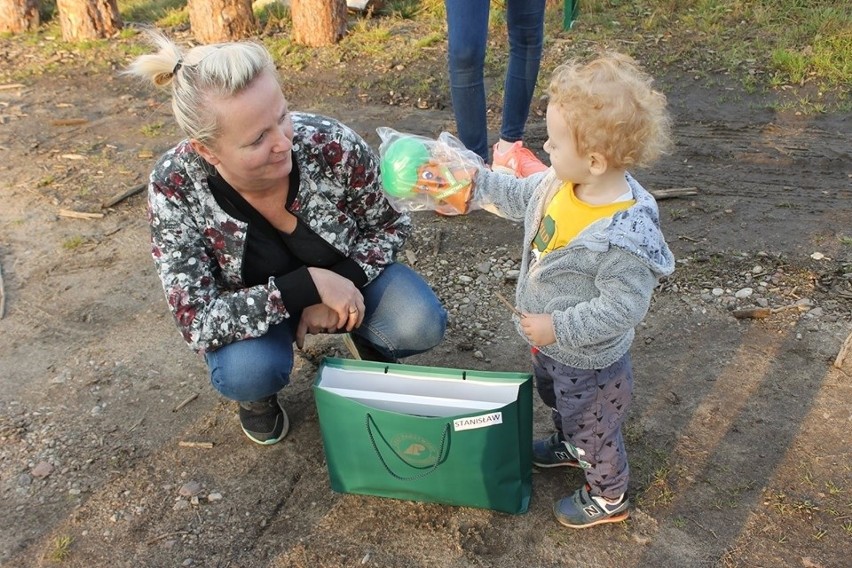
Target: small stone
189 489
744 293
213 497
42 470
717 292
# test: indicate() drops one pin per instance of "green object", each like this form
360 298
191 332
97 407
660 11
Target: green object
569 13
400 164
427 434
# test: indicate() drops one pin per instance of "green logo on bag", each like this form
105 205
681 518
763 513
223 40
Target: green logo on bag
415 449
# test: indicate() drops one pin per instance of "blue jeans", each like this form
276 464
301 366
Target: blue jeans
467 25
403 317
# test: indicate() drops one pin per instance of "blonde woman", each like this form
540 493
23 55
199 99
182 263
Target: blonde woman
269 224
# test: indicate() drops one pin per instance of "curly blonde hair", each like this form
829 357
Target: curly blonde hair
613 110
203 72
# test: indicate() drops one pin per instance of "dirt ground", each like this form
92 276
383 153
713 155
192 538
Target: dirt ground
739 438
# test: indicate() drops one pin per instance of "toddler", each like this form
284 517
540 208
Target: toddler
593 253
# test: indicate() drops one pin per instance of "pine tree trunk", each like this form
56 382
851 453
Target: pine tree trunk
214 21
88 19
18 16
318 22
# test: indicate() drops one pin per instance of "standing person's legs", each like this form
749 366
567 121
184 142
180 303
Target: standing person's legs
525 24
403 316
467 31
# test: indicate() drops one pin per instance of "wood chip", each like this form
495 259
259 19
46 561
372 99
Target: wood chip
752 313
11 86
674 192
73 156
204 445
69 121
79 214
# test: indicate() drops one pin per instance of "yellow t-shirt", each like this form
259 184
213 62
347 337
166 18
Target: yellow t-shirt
566 217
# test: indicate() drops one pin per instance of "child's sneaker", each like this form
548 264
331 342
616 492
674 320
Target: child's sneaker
553 452
581 510
517 160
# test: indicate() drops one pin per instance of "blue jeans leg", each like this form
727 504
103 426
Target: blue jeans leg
403 316
467 33
525 25
255 368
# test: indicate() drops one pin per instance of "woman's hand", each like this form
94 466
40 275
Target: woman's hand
318 318
341 295
538 328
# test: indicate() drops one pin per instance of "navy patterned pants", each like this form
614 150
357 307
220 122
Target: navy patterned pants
588 407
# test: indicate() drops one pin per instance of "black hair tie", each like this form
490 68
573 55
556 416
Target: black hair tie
178 65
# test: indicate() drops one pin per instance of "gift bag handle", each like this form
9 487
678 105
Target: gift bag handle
431 469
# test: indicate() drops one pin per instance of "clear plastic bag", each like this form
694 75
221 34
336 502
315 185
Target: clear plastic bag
422 174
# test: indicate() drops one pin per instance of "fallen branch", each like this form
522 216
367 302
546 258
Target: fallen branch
185 402
123 195
79 214
205 445
12 86
674 192
844 349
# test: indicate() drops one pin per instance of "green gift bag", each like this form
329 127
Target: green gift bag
427 433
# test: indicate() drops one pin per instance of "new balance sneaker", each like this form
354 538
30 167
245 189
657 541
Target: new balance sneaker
553 452
517 160
264 421
581 510
361 349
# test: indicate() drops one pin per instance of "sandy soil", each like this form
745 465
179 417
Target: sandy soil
739 436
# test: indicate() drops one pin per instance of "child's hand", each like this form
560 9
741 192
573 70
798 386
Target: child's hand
538 328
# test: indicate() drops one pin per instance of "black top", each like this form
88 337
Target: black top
286 257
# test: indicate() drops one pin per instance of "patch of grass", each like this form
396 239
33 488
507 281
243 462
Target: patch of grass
847 241
60 549
150 10
151 130
774 42
72 243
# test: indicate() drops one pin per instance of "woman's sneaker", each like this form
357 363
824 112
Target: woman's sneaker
517 160
553 452
264 421
581 510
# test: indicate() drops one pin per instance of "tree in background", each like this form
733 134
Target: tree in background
318 22
88 19
18 16
214 21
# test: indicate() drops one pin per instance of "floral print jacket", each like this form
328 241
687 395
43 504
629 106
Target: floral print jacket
198 248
